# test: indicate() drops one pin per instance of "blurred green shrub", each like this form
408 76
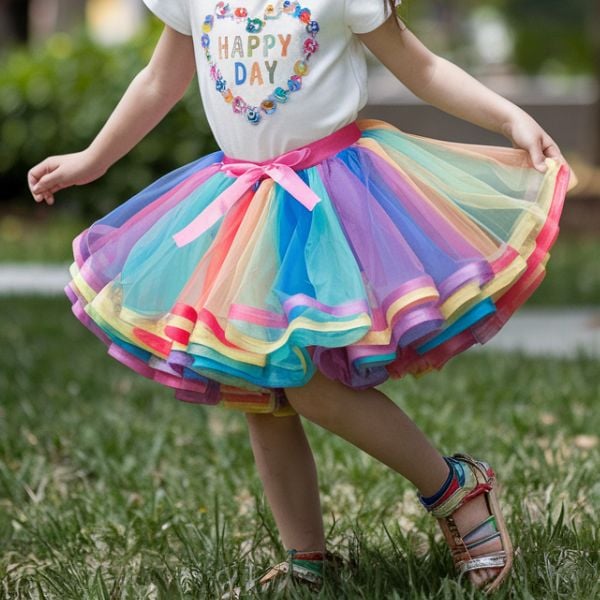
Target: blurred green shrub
554 34
55 98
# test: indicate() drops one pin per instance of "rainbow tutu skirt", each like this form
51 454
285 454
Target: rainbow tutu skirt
369 254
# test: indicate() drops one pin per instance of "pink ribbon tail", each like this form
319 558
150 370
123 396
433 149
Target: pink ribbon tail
281 173
216 209
288 179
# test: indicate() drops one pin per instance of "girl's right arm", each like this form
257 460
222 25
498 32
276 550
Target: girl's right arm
446 86
149 97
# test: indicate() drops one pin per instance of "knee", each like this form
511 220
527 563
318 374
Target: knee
316 401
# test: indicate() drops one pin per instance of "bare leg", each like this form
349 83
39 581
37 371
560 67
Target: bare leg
371 421
287 470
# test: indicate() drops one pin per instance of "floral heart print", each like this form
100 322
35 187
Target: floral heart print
254 26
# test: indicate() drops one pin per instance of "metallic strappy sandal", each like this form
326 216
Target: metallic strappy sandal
305 568
463 484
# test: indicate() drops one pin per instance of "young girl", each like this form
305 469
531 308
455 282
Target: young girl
316 255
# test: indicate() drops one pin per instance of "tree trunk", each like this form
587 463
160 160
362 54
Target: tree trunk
48 16
13 21
70 13
594 32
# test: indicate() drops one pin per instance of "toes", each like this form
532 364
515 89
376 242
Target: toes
481 576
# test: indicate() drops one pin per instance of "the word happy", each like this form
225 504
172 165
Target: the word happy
268 47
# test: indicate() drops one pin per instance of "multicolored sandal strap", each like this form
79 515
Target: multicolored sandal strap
307 568
486 531
483 540
465 481
490 522
302 572
307 565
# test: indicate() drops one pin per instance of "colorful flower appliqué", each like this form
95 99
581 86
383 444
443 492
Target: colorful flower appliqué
279 95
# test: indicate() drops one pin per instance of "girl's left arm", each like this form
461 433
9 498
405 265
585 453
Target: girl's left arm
446 86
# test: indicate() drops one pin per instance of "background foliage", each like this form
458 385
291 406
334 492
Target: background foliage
549 35
56 97
555 30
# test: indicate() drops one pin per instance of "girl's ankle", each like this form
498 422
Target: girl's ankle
458 486
429 501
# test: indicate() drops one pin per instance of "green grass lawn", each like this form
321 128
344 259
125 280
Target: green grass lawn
111 488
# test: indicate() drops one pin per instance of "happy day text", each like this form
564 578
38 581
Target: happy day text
267 46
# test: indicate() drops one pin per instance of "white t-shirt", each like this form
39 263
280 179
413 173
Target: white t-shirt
276 75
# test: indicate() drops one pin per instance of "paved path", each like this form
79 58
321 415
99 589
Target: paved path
557 332
33 279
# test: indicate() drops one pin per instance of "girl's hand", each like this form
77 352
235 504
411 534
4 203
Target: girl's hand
524 132
59 172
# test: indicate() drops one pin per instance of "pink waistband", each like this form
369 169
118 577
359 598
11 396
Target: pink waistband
281 169
314 152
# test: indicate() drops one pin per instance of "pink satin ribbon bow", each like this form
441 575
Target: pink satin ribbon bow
248 173
279 169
